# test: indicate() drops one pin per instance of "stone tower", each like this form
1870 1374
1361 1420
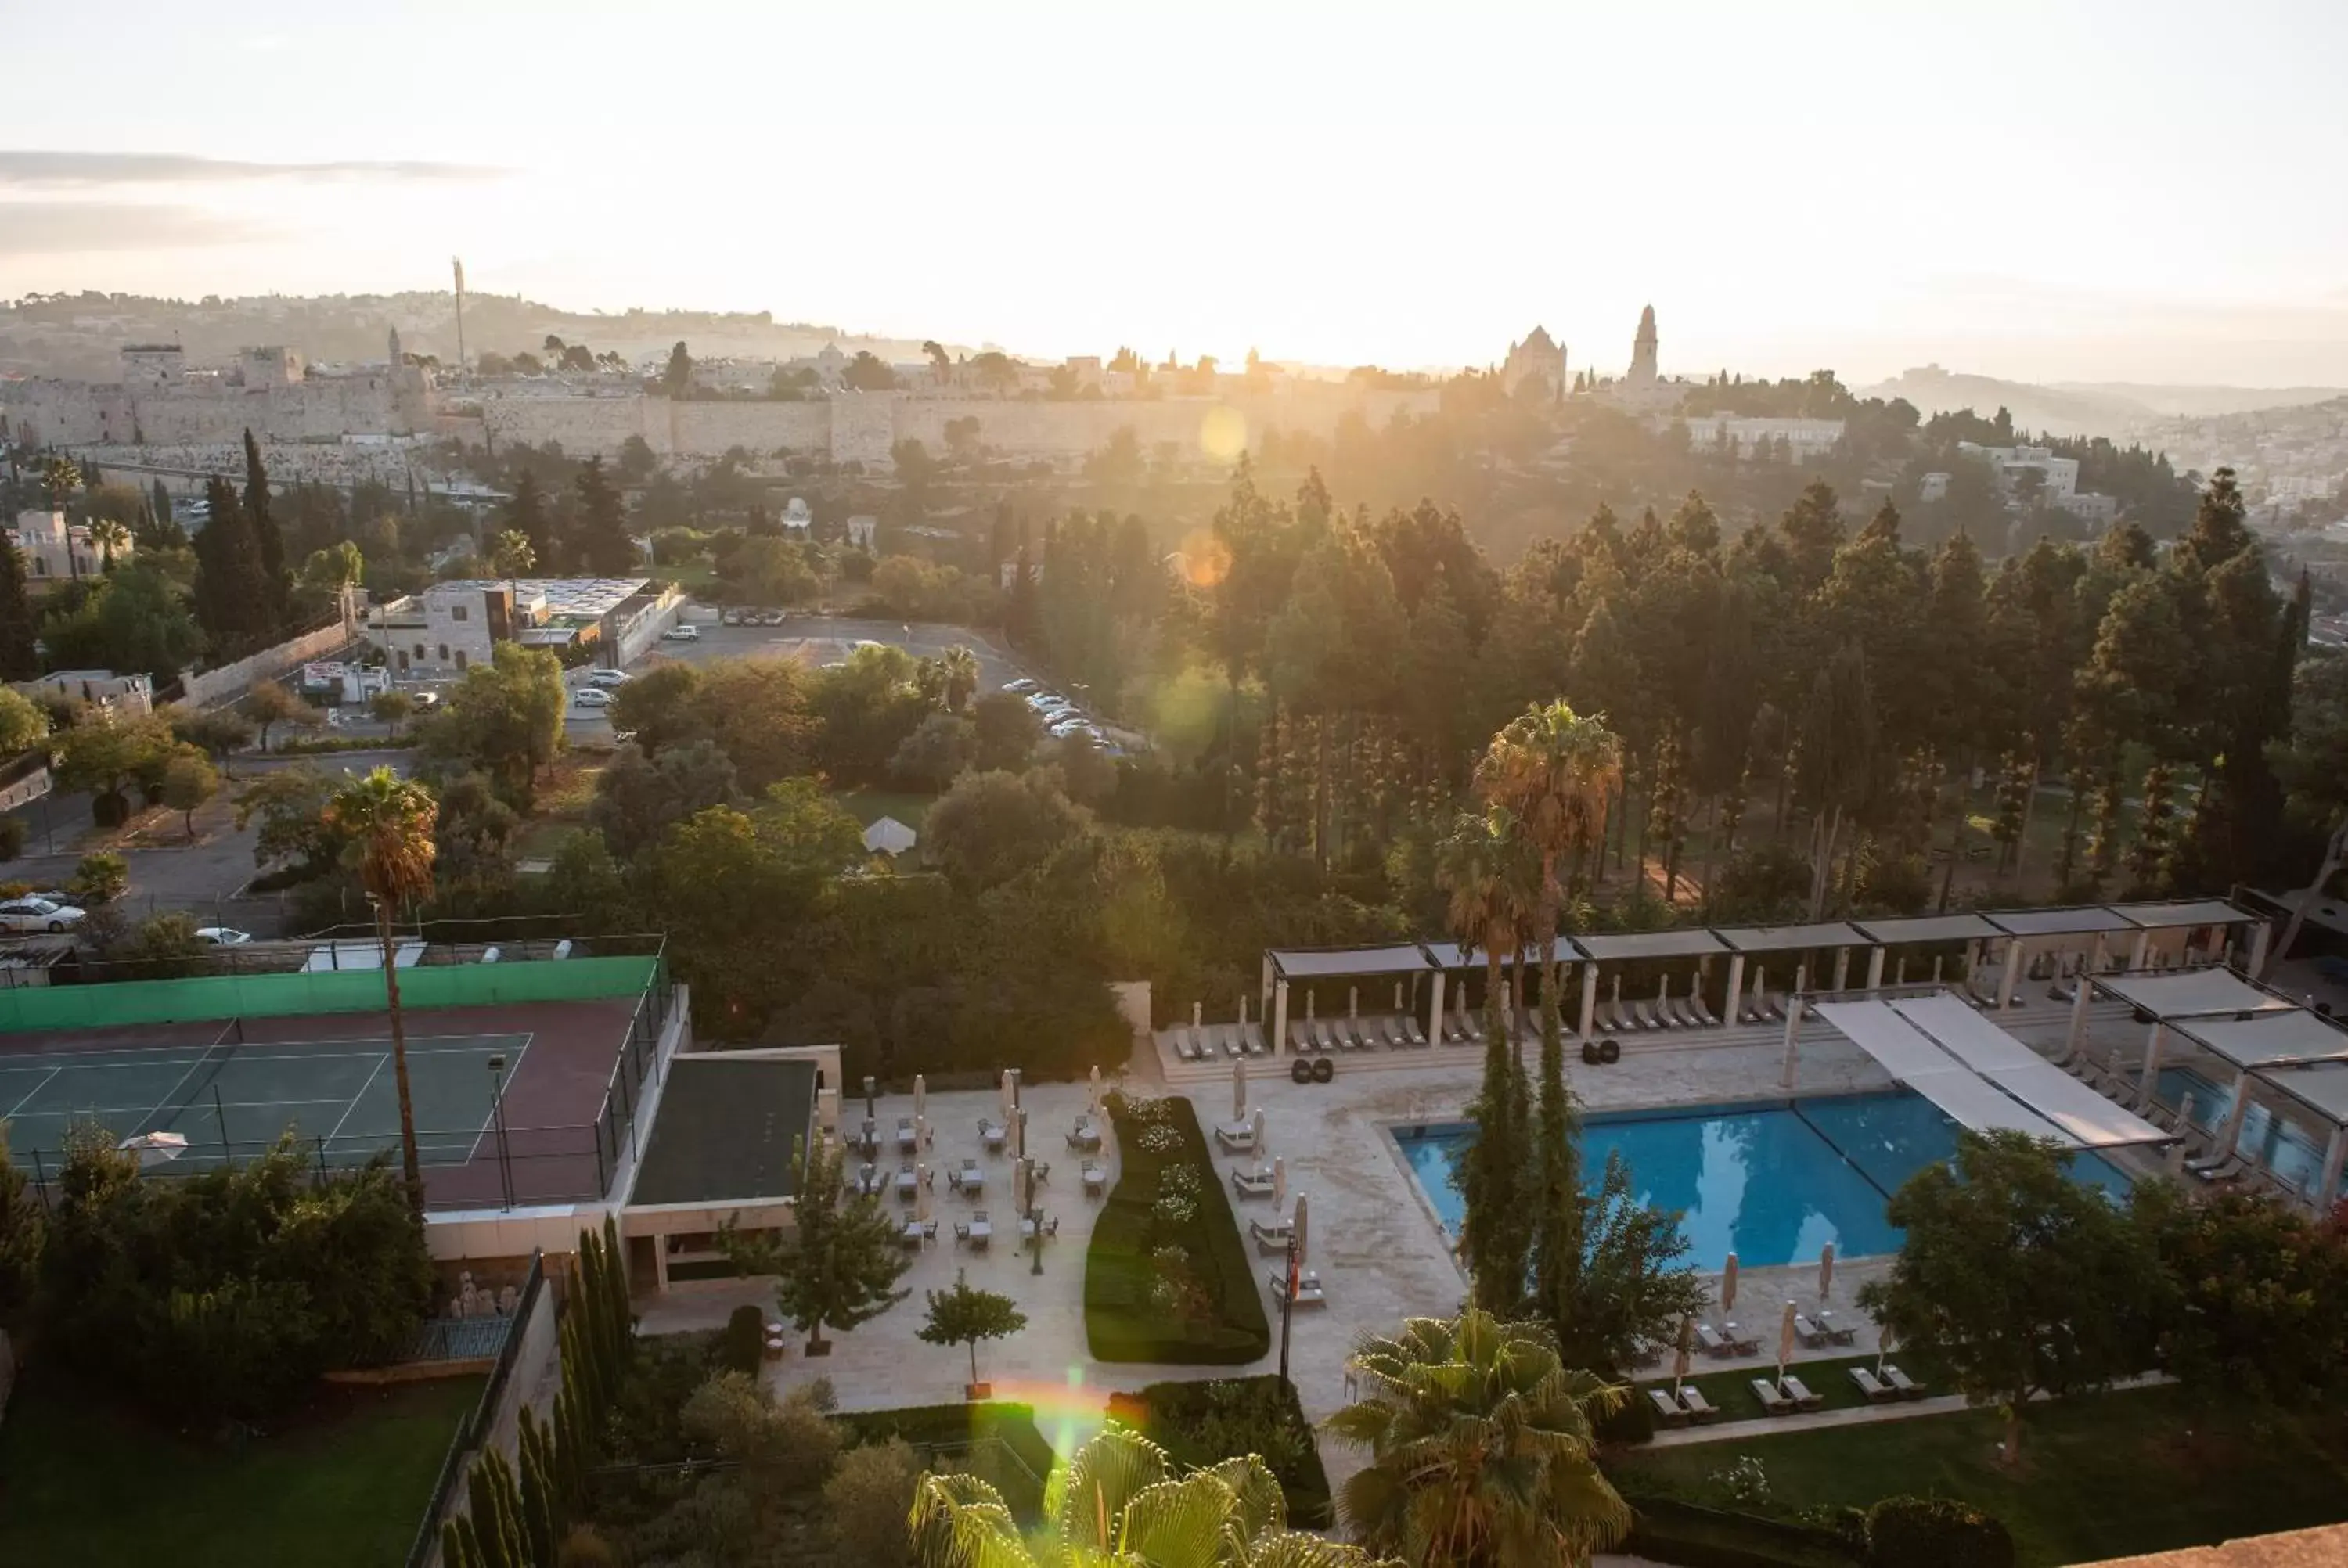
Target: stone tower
391 357
1642 349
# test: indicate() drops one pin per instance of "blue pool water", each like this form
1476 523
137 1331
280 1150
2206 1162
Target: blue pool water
2290 1150
1772 1182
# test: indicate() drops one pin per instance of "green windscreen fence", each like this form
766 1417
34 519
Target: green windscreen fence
288 996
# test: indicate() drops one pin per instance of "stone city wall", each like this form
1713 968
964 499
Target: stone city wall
323 408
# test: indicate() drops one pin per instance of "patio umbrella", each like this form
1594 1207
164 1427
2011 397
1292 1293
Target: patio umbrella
156 1148
1309 1000
1398 996
920 1097
2184 1128
1255 1131
1019 1133
1785 1341
1679 1361
1617 996
1198 1015
1279 1183
920 1131
1352 1001
1826 1271
1900 972
1243 1012
1004 1097
1883 1337
1019 1175
1239 1088
1728 1286
1299 1224
920 1193
1093 1104
1664 997
1936 968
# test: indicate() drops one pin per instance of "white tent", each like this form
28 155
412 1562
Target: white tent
890 836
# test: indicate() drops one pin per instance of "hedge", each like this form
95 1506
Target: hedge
1207 1420
930 1426
1935 1533
1122 1323
1668 1530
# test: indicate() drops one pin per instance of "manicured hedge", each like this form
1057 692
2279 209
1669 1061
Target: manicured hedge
1207 1420
1668 1530
1122 1323
1935 1533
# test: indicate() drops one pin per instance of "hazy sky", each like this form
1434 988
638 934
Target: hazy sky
2141 189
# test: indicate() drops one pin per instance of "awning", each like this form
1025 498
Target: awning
2291 1037
2192 993
1629 946
1794 939
1931 928
2188 912
1905 1052
1323 963
1963 1033
2083 921
1450 956
2048 1091
2322 1089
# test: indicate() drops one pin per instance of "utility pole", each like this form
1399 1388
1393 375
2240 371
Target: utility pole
458 263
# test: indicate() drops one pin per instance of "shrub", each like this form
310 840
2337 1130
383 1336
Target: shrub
869 1497
1935 1533
1217 1313
742 1348
14 830
1204 1422
781 1447
101 878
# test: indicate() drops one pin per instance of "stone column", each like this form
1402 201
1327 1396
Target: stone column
1435 1013
1729 1014
2261 934
1875 969
1842 967
2078 1030
2328 1184
2151 1064
1589 996
2234 1118
2137 953
1279 1017
2014 960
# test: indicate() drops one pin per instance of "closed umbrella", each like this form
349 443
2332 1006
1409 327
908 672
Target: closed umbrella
1309 1000
1352 1001
1398 996
1243 1012
1300 1230
1785 1341
920 1096
1279 1184
1019 1132
1255 1130
1679 1361
1019 1175
1006 1096
1729 1286
1239 1088
2184 1126
920 1131
1198 1015
1826 1271
921 1194
1093 1104
1883 1337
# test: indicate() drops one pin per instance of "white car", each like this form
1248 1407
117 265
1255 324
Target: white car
682 634
591 697
1023 686
222 936
38 915
608 677
1049 702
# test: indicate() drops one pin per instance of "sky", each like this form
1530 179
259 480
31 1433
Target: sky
2148 191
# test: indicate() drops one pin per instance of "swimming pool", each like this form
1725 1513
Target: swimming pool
2292 1152
1772 1182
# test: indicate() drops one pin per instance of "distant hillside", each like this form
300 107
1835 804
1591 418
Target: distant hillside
2117 409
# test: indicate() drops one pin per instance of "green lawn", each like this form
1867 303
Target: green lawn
870 805
1733 1391
2113 1476
345 1482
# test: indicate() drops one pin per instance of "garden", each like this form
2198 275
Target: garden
1202 1423
1166 1278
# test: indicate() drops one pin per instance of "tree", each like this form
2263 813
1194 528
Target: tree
526 515
2245 1317
189 781
867 1498
60 478
989 827
638 797
838 1263
23 725
388 824
959 666
2014 1278
934 753
23 1223
133 619
1123 1500
1482 1449
1007 732
867 374
100 878
965 1316
232 596
604 548
505 718
511 555
108 535
268 543
268 704
676 381
19 659
104 752
393 708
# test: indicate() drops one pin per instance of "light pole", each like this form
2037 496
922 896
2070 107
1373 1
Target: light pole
1287 1303
498 1115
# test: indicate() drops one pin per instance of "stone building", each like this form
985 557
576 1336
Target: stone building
1536 358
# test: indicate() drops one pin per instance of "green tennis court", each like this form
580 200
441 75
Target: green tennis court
230 1099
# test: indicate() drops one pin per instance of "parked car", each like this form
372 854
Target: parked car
681 634
222 936
608 677
1023 686
38 915
733 617
1049 702
591 697
767 617
424 700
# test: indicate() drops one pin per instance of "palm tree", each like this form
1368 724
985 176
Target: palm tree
387 822
1482 1447
959 665
1493 884
1119 1503
109 536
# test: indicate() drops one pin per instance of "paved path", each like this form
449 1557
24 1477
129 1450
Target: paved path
1855 1416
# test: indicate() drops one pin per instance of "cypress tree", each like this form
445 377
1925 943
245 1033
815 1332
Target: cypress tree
616 1281
526 515
490 1537
563 1449
457 1547
604 547
19 659
162 504
269 544
509 1507
231 590
538 1500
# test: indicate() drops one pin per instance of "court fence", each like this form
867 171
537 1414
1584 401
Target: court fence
530 1345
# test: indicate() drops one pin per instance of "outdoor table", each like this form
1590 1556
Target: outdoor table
1088 1136
980 1231
912 1235
1094 1178
994 1137
905 1139
906 1182
973 1183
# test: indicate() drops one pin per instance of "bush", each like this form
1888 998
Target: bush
982 1431
1935 1533
1629 1424
742 1348
1126 1313
1668 1530
13 831
101 878
867 1496
1205 1422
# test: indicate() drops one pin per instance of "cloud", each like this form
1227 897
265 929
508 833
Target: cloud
26 168
65 228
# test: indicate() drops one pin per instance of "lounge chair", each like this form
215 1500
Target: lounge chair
1229 1039
1715 1343
1773 1400
1412 1032
962 1231
1901 1384
1810 1334
1668 1410
1865 1381
1269 1240
1390 1030
1473 1023
1701 1409
1703 1015
2219 1167
1803 1398
1252 1038
1687 1008
1324 1037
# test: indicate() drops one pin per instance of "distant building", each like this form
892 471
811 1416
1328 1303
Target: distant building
798 521
2090 507
1806 438
1933 488
2057 477
1643 351
55 552
130 695
1536 358
1643 389
452 625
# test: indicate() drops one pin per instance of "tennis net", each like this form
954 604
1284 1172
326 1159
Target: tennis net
199 1077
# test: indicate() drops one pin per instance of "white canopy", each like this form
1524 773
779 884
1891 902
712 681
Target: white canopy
1794 939
2190 912
1931 928
2013 1067
1451 956
1971 1039
2082 921
2192 993
1911 1057
1692 942
2323 1089
1322 963
2291 1037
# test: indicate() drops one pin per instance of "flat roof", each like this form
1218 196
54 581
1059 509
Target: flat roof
1792 939
2185 912
1320 963
2192 993
1931 928
2083 921
2321 1088
724 1130
593 597
1450 956
1693 942
2291 1038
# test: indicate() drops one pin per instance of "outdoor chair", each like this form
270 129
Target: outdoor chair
1700 1407
928 1230
1867 1384
1042 1171
1901 1384
1254 1042
1810 1334
1803 1398
1231 1045
1668 1410
1774 1400
1704 1014
1052 1226
1713 1341
962 1231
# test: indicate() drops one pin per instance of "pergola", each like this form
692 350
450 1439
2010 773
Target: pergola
1754 940
1283 965
1639 947
2085 932
2266 1047
2167 999
2322 1090
2190 916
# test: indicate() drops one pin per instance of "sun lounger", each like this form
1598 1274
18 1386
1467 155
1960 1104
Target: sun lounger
1713 1342
1668 1410
1270 1239
1803 1398
1389 1031
1704 1014
1701 1409
1412 1032
2219 1167
1773 1401
1251 1039
1865 1381
1325 1037
1810 1334
1229 1040
1901 1384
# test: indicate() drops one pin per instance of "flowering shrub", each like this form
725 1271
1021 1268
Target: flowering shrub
1183 1179
1158 1138
1174 1210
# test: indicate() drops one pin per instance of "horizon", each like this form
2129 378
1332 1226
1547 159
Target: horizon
1327 188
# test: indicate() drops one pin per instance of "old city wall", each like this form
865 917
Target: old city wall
711 429
580 425
80 414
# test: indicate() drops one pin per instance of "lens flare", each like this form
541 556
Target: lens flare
1222 433
1206 560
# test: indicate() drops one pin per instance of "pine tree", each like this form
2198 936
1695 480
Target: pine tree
495 1542
231 590
161 504
623 1319
566 1448
267 541
2154 830
526 515
604 547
